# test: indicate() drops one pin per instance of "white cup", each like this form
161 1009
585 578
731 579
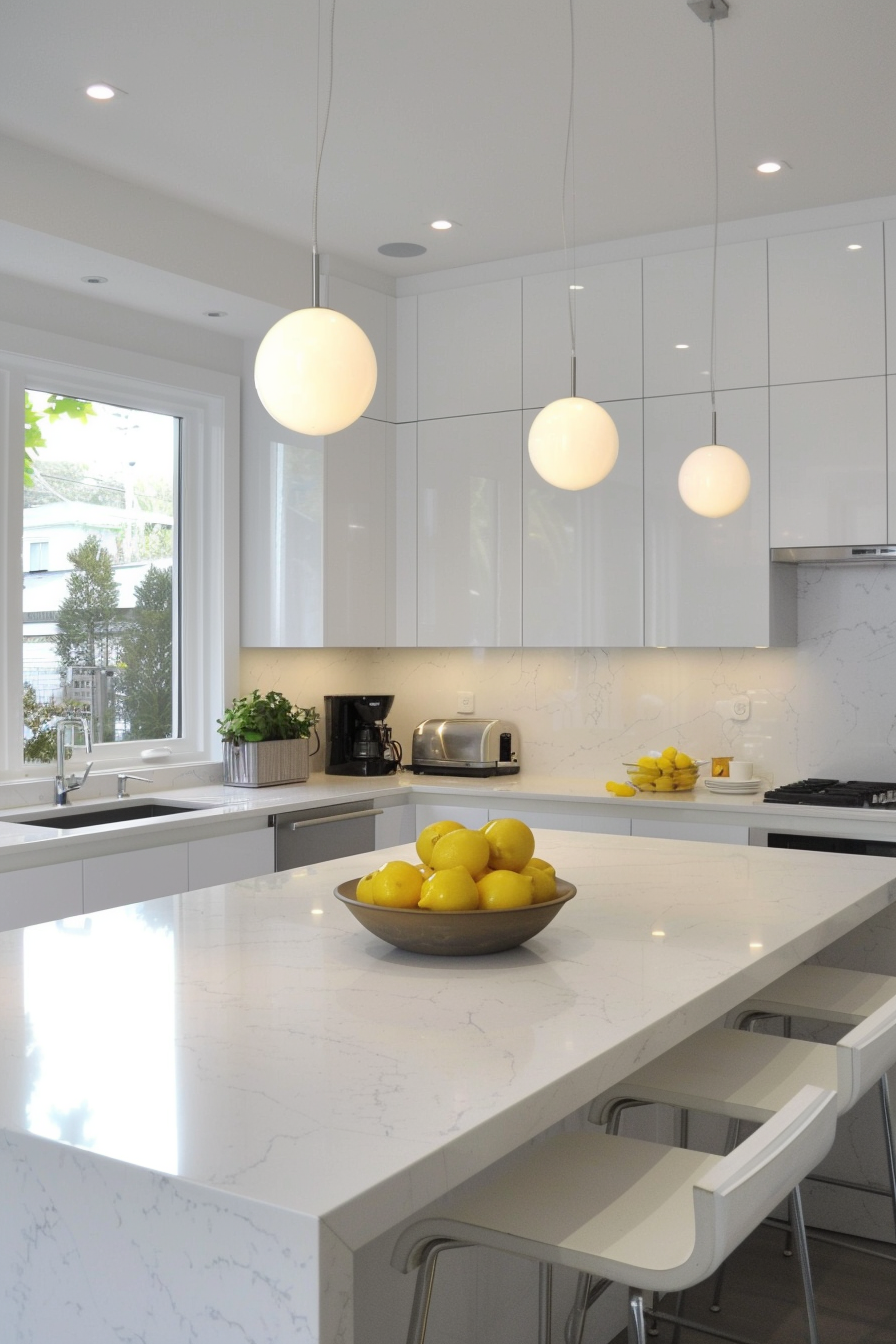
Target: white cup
740 770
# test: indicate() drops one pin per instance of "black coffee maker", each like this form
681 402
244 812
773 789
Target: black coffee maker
359 741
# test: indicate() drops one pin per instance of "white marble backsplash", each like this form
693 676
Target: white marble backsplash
826 707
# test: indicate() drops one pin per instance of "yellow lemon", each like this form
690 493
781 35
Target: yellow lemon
449 889
648 763
664 784
364 890
462 848
670 753
430 834
511 843
544 883
541 863
682 761
505 890
625 791
397 884
611 786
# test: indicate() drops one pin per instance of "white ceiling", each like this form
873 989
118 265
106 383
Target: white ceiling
459 109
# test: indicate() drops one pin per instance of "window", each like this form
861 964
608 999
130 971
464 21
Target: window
121 507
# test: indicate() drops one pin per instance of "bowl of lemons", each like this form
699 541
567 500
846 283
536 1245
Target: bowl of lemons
669 771
472 893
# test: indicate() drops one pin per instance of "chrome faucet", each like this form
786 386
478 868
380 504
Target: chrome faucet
66 786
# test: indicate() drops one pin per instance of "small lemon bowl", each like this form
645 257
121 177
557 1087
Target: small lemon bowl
662 776
454 933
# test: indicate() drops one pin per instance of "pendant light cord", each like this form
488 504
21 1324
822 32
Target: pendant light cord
315 256
571 152
715 235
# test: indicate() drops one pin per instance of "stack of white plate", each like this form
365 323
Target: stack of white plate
720 785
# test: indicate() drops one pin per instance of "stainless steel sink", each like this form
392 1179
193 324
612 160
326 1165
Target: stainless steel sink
71 820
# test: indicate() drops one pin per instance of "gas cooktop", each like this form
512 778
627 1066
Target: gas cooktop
834 793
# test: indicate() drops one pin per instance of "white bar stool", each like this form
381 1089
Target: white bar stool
745 1076
647 1215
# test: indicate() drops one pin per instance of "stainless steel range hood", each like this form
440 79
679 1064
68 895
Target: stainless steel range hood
832 555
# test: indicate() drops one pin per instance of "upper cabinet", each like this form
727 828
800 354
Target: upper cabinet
373 313
468 531
708 581
469 350
829 463
608 334
583 573
355 537
678 319
826 305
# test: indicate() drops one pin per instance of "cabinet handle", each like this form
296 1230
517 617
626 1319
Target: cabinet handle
339 816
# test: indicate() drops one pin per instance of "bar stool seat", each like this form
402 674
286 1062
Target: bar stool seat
825 993
643 1214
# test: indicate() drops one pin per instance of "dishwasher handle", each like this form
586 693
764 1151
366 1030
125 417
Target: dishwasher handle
337 816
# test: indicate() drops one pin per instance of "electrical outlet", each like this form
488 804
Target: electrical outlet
740 708
466 702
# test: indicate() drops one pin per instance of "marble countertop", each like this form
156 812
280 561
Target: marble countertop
253 1039
24 845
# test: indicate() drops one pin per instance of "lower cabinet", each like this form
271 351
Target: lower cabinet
471 817
230 858
36 895
141 875
567 820
396 826
691 830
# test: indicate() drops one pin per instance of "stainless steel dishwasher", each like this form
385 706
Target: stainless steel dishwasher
319 833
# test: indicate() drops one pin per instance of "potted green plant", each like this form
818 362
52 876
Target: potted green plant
266 740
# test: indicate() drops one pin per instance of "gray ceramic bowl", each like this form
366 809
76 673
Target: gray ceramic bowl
454 933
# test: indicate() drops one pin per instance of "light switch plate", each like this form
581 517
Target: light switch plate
740 708
466 702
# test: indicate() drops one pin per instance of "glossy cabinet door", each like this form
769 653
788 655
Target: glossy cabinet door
583 571
826 304
471 817
355 524
891 460
569 818
36 895
469 350
231 857
707 580
142 875
690 830
468 531
608 333
678 319
829 463
371 310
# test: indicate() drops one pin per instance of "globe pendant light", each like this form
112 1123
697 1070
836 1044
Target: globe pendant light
714 480
315 371
573 442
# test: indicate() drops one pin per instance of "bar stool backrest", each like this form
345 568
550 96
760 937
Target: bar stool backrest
865 1054
743 1188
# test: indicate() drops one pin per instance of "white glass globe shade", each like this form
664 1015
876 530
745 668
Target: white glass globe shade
714 480
573 443
315 371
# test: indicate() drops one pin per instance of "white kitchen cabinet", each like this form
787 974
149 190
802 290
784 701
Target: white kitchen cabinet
568 818
826 304
691 830
395 825
891 459
401 536
36 895
141 875
355 537
402 403
469 350
229 858
583 571
469 581
471 817
371 310
709 581
678 319
608 334
828 463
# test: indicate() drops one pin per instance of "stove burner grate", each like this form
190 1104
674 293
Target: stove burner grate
834 793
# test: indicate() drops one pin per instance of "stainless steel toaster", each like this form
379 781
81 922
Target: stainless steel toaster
465 747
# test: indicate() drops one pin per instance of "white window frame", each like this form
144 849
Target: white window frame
208 404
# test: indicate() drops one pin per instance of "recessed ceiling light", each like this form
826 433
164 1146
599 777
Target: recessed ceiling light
577 286
95 279
215 312
853 247
401 250
442 224
769 166
682 347
101 93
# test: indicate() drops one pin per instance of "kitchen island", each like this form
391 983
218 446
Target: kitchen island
211 1104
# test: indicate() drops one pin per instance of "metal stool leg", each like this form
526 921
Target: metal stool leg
636 1332
798 1228
575 1322
545 1299
888 1138
423 1287
731 1141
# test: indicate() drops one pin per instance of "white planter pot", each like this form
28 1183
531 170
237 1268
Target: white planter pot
257 765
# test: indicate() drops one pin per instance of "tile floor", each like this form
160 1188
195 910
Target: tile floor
856 1296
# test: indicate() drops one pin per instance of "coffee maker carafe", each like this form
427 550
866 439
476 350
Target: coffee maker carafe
359 741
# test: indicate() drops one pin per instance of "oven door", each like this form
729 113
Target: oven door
829 844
